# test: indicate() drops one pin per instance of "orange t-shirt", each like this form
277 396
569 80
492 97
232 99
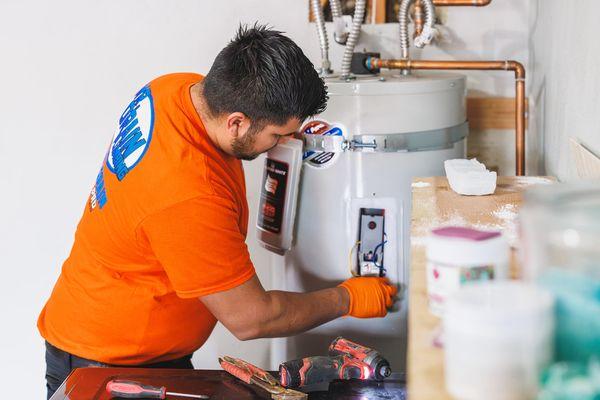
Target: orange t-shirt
165 223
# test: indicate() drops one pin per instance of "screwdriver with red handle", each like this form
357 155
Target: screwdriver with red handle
135 390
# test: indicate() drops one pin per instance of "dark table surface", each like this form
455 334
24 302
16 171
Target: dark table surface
90 384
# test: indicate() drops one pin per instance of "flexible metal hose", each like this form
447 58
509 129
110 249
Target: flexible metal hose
322 33
336 8
429 32
426 35
403 21
357 19
339 34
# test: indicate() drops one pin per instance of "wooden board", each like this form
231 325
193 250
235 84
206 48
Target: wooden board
379 14
491 112
435 204
587 164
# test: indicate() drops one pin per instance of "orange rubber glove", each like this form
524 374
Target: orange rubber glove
370 297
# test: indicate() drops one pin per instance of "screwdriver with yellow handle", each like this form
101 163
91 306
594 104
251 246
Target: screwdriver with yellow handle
135 390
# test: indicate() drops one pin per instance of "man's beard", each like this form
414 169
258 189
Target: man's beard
243 148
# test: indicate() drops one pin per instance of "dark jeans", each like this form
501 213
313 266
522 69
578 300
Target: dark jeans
59 365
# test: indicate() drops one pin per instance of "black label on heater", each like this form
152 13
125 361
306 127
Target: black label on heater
272 195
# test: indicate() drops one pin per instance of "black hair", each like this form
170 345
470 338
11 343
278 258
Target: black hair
266 76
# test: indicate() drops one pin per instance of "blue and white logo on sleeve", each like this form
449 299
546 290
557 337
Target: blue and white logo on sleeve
133 138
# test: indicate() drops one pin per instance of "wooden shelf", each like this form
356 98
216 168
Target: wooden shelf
435 204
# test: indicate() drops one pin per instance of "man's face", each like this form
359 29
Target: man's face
260 139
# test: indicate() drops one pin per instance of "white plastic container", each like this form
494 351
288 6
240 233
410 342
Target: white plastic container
498 337
457 256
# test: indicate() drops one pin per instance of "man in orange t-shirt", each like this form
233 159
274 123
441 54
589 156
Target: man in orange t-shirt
159 254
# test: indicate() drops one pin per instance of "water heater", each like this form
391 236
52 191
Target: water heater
353 206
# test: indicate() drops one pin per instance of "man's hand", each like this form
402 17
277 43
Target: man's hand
369 296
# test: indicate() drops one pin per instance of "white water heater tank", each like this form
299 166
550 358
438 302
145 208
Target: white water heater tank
354 203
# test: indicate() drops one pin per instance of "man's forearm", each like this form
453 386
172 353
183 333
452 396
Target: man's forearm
291 313
250 312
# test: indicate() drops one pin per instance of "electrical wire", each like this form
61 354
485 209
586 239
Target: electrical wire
380 266
380 245
352 272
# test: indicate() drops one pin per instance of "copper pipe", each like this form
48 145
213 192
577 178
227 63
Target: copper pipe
475 3
419 20
516 67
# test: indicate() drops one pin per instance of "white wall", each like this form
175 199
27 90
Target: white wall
67 67
567 79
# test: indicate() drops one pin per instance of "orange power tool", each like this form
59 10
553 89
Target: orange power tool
379 366
346 360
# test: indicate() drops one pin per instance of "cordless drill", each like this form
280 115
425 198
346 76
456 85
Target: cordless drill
346 360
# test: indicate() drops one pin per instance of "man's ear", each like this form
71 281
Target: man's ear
237 124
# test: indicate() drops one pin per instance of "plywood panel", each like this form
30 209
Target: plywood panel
379 7
493 147
587 164
491 112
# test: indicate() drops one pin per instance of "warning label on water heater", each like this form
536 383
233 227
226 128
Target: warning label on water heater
320 159
272 195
